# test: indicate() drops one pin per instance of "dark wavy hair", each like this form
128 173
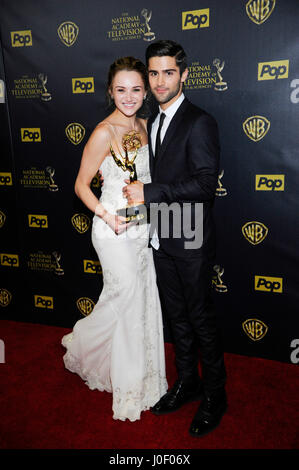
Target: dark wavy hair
167 48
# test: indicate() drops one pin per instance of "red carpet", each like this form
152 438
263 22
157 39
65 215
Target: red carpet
44 406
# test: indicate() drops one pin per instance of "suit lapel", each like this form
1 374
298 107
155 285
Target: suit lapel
149 130
174 123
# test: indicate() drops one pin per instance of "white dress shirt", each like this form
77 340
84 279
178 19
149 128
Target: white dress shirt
169 113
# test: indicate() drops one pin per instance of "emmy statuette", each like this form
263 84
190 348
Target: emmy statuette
220 85
131 142
45 96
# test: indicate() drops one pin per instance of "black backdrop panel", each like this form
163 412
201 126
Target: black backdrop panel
243 68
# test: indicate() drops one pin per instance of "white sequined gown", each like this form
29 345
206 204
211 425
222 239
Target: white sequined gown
119 347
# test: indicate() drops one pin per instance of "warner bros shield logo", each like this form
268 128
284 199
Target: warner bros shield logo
68 33
85 305
256 127
254 232
259 10
255 329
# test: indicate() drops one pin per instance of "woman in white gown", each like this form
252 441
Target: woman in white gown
119 347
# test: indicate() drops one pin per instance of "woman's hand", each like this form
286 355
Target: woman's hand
117 223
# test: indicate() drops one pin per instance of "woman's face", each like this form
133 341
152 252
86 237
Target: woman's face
128 91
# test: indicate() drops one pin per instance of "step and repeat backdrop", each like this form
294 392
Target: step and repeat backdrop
243 69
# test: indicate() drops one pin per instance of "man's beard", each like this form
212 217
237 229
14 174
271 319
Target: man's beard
168 97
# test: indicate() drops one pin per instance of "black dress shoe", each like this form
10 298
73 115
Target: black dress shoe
209 414
177 396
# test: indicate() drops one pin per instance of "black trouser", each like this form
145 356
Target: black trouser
185 291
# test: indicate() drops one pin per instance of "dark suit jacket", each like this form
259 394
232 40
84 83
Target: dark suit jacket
186 171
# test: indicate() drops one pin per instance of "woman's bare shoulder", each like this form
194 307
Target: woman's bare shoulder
101 132
103 127
99 138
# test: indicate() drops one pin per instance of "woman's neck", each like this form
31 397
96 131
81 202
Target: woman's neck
129 122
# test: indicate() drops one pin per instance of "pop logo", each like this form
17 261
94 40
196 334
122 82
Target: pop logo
31 134
42 301
83 85
12 261
273 70
21 38
196 19
269 182
92 267
38 221
268 284
5 179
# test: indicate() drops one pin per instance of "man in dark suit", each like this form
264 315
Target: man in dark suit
184 162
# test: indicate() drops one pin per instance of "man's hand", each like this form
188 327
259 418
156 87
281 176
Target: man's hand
134 192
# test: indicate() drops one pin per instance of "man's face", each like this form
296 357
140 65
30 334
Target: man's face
165 79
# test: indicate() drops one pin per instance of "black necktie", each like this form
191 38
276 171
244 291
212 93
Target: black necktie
158 139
